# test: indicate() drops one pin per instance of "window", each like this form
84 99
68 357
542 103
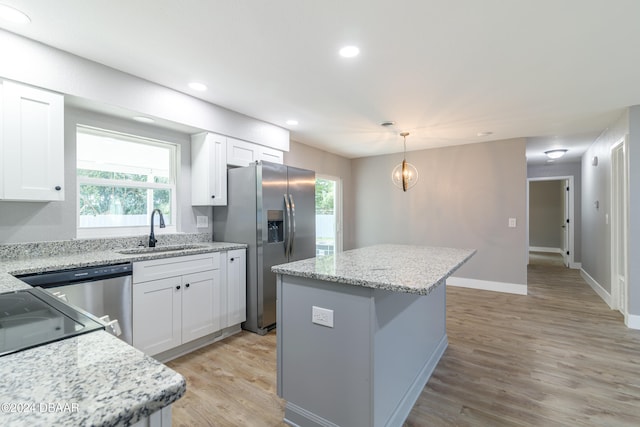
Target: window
121 180
328 215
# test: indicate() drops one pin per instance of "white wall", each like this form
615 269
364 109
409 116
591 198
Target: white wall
464 198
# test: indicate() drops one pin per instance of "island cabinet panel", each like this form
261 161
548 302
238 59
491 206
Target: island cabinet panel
366 370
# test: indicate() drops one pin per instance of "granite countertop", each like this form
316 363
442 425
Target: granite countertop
90 379
398 268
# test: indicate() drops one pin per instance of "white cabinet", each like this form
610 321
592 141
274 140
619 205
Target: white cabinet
208 169
243 153
236 286
31 143
177 300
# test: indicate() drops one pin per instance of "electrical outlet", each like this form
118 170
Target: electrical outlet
512 223
322 316
202 221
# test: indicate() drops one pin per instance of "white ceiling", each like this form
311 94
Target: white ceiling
558 72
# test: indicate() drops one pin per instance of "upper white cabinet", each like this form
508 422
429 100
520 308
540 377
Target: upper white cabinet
242 153
208 169
31 143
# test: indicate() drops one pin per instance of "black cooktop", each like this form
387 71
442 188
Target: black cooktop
33 317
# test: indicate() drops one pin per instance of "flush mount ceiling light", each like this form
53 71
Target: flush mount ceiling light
349 51
10 14
198 86
405 175
556 154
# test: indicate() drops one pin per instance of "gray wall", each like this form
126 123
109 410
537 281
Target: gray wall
306 157
573 169
36 221
596 185
464 197
546 213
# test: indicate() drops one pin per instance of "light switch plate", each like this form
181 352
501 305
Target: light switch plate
512 223
202 221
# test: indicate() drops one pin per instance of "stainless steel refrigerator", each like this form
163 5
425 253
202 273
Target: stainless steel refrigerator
271 208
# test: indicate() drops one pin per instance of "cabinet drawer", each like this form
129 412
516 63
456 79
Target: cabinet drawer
143 271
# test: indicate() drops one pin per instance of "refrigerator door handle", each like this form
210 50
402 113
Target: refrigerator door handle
287 226
292 228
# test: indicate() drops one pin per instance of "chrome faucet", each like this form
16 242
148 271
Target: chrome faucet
152 237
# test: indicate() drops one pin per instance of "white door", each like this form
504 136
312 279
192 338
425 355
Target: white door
566 228
33 143
619 225
157 315
199 292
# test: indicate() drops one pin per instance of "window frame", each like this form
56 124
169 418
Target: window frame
120 231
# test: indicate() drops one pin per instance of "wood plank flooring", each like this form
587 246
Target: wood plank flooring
556 357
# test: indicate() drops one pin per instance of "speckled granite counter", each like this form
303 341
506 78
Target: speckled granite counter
91 379
366 327
399 268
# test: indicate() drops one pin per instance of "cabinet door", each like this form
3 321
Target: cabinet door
240 153
200 295
32 143
208 170
270 155
236 287
157 313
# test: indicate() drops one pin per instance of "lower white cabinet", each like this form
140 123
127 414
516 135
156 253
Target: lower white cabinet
171 311
236 286
180 299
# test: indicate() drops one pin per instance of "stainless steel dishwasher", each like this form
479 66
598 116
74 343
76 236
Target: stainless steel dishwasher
104 291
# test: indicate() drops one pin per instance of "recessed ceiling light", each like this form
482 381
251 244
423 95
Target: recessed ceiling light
486 133
10 14
292 122
143 119
349 51
197 86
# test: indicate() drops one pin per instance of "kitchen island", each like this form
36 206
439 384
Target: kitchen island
360 332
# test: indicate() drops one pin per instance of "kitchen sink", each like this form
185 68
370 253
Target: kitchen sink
168 248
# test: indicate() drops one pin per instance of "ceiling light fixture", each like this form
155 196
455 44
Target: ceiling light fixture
292 122
198 86
349 51
556 154
405 175
10 14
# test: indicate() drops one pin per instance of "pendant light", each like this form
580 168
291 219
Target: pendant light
405 175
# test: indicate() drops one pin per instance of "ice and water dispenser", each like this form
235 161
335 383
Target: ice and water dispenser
275 226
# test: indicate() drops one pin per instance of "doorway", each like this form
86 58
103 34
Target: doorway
328 215
619 226
550 219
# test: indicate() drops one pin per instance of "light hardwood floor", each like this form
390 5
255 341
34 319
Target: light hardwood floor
556 357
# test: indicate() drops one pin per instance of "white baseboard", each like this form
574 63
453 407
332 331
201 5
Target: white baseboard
544 249
632 321
602 292
575 265
486 285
